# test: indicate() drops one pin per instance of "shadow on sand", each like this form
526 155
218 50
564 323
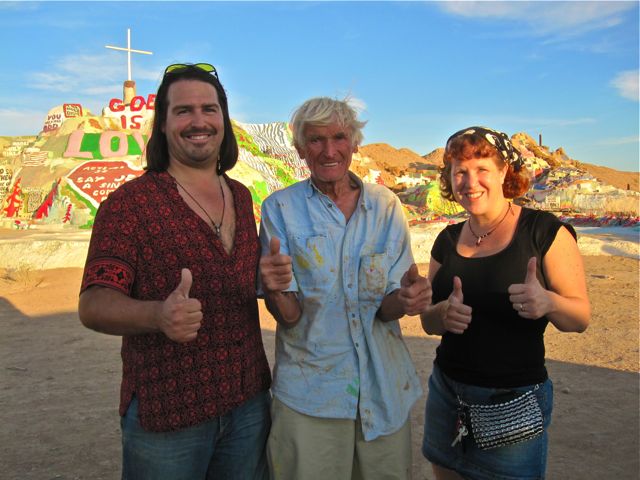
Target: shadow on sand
60 391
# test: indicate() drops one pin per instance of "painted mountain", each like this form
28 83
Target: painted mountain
60 176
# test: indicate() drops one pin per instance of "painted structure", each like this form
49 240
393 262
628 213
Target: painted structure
61 175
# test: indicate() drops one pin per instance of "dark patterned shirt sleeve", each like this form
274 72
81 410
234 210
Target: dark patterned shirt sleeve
112 252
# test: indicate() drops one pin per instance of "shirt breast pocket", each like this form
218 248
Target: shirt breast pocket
311 261
373 272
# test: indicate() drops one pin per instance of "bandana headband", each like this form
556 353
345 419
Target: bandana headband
499 140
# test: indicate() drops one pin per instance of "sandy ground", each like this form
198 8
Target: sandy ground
59 382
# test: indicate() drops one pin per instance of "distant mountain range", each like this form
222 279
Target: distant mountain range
560 183
404 159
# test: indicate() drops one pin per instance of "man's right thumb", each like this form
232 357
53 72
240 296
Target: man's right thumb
186 281
414 274
274 246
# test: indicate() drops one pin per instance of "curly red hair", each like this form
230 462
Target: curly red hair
470 146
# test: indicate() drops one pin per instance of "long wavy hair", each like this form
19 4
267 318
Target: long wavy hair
157 150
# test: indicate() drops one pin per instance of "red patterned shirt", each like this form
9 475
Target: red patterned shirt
144 234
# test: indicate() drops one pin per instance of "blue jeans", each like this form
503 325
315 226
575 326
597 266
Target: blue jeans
521 461
228 447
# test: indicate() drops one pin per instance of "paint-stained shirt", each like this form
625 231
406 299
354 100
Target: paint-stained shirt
143 236
340 359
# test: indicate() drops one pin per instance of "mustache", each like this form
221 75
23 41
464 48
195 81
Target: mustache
200 131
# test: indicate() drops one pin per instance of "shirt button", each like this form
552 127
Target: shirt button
350 285
353 315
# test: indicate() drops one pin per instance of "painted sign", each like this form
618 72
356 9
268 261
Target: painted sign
6 174
108 144
72 110
59 114
95 180
54 119
134 115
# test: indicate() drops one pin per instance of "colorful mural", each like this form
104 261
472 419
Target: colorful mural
109 144
61 175
95 180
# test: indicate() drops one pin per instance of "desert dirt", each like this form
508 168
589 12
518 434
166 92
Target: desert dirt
60 382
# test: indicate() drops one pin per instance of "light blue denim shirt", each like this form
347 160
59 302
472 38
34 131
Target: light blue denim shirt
340 360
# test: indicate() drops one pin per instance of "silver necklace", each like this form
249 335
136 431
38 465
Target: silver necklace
479 238
216 228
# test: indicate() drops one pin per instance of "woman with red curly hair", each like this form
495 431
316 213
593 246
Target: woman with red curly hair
498 279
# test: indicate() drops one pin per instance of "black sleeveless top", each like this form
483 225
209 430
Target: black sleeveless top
499 349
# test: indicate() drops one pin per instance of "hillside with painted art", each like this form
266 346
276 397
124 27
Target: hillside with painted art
60 175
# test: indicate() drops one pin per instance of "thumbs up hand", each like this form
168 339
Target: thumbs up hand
530 299
181 316
415 292
276 271
457 315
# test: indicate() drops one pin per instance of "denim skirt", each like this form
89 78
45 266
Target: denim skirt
522 461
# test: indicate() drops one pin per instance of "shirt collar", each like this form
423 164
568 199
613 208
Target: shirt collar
364 200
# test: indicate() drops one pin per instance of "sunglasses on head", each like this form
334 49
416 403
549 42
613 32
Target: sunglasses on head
178 67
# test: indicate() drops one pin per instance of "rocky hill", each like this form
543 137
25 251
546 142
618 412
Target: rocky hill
399 160
435 157
394 161
560 183
617 178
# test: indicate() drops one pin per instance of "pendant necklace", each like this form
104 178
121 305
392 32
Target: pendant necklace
479 238
216 228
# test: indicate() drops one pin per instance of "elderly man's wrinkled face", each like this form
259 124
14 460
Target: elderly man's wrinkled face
328 150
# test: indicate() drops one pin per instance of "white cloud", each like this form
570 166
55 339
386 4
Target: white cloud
151 74
56 82
569 18
627 84
18 6
21 122
87 74
71 73
619 141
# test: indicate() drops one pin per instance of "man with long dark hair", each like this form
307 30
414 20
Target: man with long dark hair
172 268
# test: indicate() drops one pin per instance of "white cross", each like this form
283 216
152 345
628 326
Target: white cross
129 50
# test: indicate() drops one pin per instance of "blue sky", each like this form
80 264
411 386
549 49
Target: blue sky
419 70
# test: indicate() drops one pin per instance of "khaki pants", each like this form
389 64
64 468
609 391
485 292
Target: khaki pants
301 447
